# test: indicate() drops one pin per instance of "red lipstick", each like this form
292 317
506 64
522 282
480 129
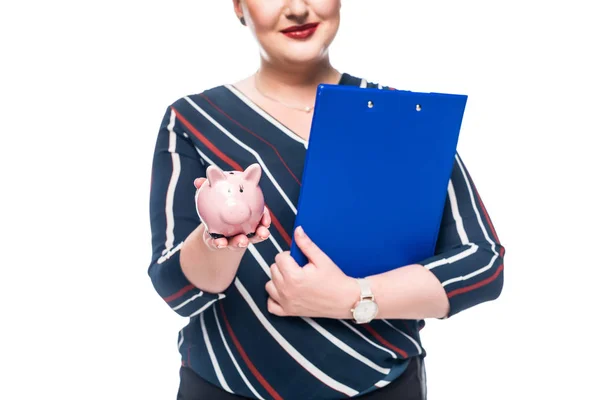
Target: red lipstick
300 31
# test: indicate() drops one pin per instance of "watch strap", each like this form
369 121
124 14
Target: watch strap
365 288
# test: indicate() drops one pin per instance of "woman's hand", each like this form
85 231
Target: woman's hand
319 289
238 242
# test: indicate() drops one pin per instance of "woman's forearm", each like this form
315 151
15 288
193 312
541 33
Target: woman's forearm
209 270
410 292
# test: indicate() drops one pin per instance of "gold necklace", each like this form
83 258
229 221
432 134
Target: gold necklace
306 109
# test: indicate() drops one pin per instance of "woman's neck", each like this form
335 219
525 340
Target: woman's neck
295 84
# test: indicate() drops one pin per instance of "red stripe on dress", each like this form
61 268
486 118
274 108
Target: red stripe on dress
478 284
487 217
207 143
179 293
485 213
246 359
233 164
385 342
253 134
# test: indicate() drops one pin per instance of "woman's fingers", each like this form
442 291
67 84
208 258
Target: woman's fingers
220 243
214 244
262 232
198 182
238 241
266 219
209 241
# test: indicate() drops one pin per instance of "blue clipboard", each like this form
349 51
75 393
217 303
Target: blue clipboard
376 175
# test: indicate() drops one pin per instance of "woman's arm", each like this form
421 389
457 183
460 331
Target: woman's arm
466 270
208 269
187 272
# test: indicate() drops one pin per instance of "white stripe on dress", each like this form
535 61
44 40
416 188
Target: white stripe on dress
245 147
353 329
194 297
295 354
204 307
168 254
472 249
483 229
266 115
407 336
464 239
170 230
180 339
235 363
382 383
213 358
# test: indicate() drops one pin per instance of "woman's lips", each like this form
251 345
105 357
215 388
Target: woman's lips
300 31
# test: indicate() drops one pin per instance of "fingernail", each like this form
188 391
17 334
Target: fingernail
300 231
220 246
241 245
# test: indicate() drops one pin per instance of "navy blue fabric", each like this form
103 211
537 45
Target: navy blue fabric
409 386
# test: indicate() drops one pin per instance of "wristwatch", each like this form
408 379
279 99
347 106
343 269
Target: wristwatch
366 308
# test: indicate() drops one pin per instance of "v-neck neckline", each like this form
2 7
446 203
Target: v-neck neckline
345 79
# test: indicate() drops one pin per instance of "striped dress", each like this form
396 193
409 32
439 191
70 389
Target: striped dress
231 339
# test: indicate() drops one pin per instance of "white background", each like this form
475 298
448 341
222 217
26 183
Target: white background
84 86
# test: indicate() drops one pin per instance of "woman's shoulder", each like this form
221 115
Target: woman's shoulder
211 93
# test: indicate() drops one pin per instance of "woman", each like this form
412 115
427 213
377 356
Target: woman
262 326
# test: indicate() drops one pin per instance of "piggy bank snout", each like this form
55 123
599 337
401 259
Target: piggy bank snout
235 212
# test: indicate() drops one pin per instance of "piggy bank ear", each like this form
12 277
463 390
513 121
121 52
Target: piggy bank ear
252 174
214 174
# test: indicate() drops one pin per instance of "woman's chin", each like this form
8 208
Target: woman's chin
302 56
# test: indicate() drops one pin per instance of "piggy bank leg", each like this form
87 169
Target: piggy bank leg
249 230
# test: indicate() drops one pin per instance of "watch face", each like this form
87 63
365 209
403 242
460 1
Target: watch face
365 311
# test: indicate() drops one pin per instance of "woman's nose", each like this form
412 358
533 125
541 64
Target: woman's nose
297 10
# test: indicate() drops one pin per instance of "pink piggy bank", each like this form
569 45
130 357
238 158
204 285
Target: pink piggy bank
231 203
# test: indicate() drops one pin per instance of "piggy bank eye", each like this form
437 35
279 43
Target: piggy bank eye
241 189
